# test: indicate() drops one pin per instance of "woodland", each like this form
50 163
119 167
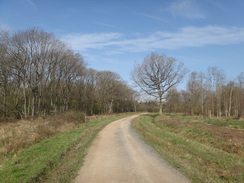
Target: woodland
40 75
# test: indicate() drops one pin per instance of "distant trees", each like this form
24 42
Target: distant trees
209 94
157 74
39 75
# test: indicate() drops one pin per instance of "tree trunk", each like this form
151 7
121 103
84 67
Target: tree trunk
4 104
230 101
160 106
135 107
39 106
209 114
111 107
33 106
25 103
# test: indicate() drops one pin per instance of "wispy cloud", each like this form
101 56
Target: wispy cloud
83 42
186 8
152 17
32 4
218 5
184 37
105 24
199 36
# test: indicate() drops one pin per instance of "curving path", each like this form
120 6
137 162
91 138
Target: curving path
118 155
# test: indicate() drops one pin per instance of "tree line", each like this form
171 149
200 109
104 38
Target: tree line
40 74
209 94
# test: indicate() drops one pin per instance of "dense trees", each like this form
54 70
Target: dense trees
157 74
39 75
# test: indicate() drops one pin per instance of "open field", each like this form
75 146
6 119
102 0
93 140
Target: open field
206 150
54 159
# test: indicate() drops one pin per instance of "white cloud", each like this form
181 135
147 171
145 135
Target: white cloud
185 37
83 42
152 17
196 37
186 8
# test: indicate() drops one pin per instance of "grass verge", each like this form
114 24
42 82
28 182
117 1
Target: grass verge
56 159
193 148
230 123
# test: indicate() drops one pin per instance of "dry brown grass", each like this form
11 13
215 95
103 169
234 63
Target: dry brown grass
18 135
241 119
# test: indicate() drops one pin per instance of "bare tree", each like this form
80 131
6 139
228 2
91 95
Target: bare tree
215 78
5 73
173 101
241 93
157 74
107 84
197 92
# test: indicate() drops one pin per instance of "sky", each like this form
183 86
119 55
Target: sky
115 34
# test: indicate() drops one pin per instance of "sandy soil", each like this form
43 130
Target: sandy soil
118 155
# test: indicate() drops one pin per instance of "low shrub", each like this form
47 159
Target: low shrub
75 116
44 131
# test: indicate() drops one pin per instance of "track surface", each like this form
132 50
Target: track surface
118 155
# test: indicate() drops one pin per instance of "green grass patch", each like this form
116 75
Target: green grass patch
62 153
191 148
227 123
230 123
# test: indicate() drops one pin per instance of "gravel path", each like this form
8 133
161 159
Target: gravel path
118 155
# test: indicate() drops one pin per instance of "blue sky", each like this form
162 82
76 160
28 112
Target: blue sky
114 34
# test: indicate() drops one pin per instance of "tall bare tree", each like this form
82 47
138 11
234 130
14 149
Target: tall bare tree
5 74
241 93
215 78
157 74
107 84
197 92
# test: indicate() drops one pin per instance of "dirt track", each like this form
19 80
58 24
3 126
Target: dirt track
118 155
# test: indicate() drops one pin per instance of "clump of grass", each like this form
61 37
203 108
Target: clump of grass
44 131
191 148
74 116
14 147
231 123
